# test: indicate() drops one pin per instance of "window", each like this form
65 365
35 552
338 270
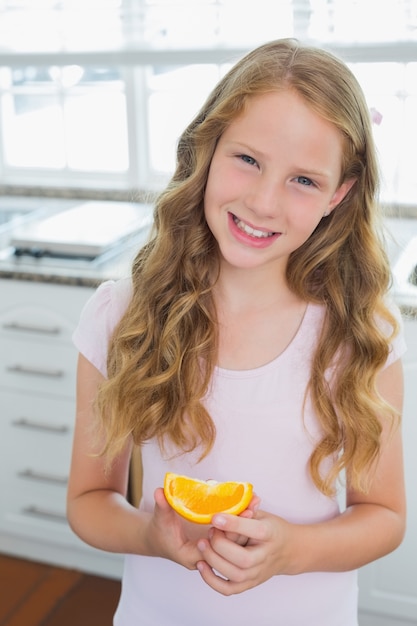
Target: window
55 117
94 93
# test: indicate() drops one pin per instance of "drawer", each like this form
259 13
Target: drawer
36 367
39 513
39 502
29 321
38 431
40 310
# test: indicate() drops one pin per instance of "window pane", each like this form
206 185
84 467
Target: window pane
391 88
65 117
362 20
252 23
96 132
170 24
51 25
33 131
383 84
176 96
407 169
230 22
32 120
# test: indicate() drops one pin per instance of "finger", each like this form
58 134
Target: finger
217 570
212 579
242 540
250 527
225 556
216 582
247 514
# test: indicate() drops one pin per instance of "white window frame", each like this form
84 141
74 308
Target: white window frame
134 60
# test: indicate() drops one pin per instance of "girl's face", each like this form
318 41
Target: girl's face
274 174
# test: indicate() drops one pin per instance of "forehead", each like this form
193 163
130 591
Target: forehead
285 105
284 121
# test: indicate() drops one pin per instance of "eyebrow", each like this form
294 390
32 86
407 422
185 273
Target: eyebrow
313 173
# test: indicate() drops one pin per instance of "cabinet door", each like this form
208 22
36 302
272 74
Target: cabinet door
34 464
389 586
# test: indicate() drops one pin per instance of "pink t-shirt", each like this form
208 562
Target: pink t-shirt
262 438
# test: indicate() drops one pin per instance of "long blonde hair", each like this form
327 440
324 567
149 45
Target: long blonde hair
162 354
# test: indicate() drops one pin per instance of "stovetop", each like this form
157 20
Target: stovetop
83 232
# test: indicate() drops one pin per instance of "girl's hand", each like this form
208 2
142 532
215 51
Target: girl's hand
170 536
230 568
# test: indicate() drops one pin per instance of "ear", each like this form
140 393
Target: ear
340 193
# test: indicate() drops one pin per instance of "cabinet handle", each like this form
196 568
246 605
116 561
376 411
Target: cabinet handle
35 371
32 328
43 477
39 511
53 428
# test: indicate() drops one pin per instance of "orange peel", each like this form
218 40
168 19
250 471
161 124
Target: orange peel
198 500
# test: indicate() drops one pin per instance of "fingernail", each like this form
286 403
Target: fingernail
219 520
201 546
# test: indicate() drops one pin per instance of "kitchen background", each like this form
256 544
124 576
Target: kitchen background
93 94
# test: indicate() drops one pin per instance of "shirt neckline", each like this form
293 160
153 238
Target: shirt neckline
261 369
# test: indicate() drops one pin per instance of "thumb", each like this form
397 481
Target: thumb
161 502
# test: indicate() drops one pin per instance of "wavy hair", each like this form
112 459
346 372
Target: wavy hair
163 351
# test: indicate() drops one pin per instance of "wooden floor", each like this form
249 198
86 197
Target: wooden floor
36 594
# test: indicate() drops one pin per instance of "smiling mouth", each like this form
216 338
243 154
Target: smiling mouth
253 232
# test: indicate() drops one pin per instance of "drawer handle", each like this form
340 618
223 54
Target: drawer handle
45 513
32 328
43 477
53 428
35 371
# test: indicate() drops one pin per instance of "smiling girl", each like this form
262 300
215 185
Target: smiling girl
255 341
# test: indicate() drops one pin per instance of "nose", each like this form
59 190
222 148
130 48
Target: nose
264 197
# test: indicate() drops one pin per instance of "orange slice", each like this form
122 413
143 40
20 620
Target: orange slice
198 500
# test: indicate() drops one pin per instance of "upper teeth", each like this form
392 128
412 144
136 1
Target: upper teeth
254 232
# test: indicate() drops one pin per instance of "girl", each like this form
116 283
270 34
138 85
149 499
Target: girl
254 341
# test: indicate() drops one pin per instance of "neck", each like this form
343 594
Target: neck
242 289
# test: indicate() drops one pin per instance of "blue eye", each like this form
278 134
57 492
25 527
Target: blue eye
247 159
303 180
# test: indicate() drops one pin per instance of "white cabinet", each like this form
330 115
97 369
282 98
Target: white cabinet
389 586
37 410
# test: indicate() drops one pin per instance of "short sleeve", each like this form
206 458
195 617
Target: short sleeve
98 319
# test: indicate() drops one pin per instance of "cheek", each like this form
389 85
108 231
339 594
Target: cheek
304 222
216 193
211 185
307 214
224 181
210 204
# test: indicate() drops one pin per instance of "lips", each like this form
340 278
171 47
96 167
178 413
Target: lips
252 232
